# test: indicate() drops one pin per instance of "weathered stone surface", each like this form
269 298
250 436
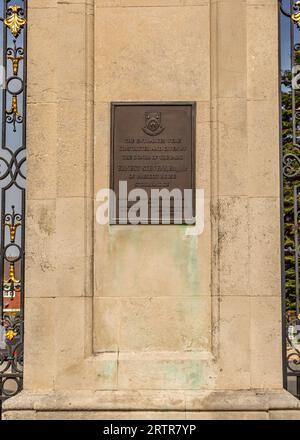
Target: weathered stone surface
158 322
207 405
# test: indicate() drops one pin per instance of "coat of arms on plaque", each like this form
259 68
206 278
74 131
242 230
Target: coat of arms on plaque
153 125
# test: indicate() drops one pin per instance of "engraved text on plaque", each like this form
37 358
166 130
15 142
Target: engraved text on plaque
152 148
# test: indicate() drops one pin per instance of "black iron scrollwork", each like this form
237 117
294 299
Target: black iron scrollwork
290 169
12 195
291 165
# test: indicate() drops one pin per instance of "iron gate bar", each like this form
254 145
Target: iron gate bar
290 196
12 184
283 300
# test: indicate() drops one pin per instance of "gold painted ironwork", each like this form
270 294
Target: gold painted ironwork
296 15
10 334
11 276
14 107
14 21
15 63
12 230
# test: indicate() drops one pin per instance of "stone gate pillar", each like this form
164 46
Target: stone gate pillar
148 321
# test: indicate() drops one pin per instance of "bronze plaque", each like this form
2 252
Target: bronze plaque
152 148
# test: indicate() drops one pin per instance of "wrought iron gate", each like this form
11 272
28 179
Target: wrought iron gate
13 21
290 179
